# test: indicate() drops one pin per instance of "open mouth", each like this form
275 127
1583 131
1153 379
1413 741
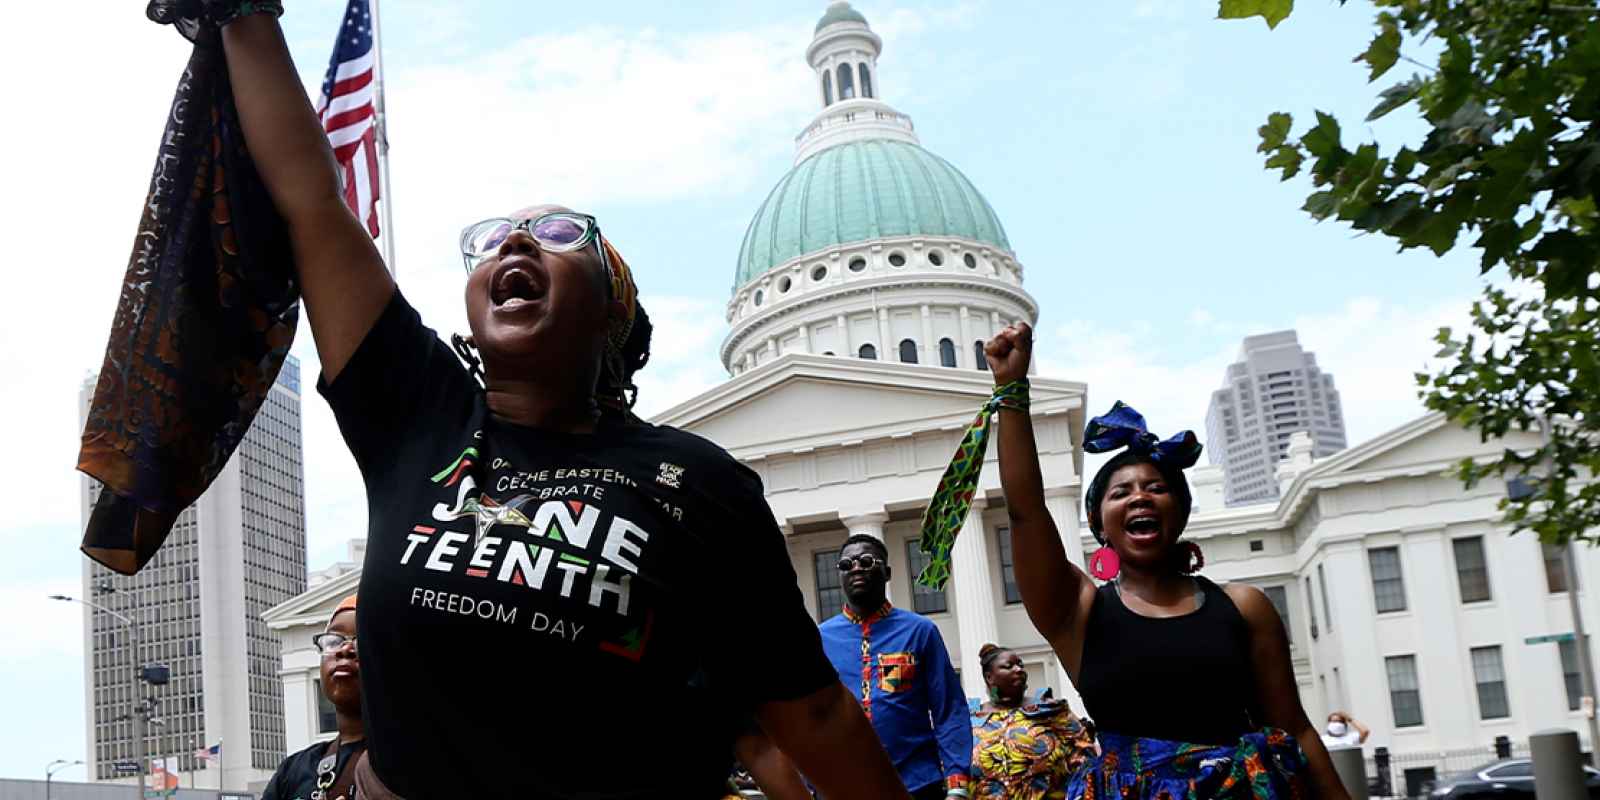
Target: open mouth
343 672
1143 526
516 283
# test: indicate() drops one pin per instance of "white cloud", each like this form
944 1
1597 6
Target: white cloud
1371 348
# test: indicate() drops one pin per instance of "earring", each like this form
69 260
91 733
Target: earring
994 694
1193 559
1105 563
468 355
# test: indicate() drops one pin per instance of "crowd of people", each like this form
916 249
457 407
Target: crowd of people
561 600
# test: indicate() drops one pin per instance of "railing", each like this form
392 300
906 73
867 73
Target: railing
1415 774
847 117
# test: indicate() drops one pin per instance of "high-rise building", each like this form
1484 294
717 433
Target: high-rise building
1272 391
238 551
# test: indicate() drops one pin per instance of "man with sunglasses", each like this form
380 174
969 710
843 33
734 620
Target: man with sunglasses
895 663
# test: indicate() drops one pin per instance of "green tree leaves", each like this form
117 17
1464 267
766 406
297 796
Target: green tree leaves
1511 161
1273 11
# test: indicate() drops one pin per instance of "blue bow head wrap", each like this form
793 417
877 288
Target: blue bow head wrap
1124 427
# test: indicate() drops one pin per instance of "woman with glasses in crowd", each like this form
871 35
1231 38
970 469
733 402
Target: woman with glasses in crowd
326 770
1189 683
553 589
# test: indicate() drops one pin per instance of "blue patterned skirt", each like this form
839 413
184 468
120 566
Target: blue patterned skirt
1265 765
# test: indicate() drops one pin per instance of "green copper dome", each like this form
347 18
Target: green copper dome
840 12
864 190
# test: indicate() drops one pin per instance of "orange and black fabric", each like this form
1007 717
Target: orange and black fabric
207 312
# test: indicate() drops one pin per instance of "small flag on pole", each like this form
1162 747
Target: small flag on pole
209 753
348 115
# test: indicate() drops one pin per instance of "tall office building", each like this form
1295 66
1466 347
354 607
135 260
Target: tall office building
1273 390
238 551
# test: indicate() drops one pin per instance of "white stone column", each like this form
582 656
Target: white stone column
805 337
885 346
973 575
871 524
847 348
1062 502
929 350
964 355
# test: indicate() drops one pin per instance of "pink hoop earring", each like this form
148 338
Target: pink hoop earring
1105 563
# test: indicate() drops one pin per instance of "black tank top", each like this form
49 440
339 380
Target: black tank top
1185 679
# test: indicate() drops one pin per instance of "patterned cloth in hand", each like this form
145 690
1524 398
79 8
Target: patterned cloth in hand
1265 765
207 312
1027 753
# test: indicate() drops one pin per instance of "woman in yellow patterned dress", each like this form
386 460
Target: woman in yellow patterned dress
1021 750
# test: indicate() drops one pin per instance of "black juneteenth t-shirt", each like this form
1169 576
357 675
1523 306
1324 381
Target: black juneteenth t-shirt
540 610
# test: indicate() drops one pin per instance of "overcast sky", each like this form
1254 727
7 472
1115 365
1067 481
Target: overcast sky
1116 141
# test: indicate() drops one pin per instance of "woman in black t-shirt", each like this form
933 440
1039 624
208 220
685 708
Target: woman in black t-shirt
1189 683
544 572
329 766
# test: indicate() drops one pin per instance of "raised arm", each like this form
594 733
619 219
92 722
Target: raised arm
342 277
1054 590
1276 691
828 737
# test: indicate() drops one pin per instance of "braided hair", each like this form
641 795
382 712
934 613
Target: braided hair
615 389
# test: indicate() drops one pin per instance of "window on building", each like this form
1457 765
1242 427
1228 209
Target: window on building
830 593
1327 608
923 599
847 83
866 81
1472 570
1489 672
1279 595
977 355
1388 587
1405 694
1555 567
1311 608
1008 574
1571 674
827 88
908 351
327 717
947 353
868 351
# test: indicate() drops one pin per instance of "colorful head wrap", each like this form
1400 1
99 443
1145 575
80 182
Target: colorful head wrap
623 290
1124 427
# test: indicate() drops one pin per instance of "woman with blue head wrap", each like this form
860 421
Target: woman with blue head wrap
1189 683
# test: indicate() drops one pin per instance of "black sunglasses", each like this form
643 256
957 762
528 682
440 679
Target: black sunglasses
866 561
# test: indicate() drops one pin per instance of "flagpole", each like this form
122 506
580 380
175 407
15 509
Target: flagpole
386 193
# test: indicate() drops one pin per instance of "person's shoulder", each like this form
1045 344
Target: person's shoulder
834 623
692 449
916 622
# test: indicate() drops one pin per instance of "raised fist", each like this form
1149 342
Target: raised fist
1009 352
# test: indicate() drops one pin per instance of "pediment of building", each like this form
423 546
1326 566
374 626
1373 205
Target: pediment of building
804 401
315 605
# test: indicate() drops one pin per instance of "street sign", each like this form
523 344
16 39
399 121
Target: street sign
1550 637
126 766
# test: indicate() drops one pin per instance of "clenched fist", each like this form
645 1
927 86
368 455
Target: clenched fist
1009 352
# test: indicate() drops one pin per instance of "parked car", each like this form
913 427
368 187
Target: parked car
1512 777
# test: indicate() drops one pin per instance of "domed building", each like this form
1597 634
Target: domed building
865 286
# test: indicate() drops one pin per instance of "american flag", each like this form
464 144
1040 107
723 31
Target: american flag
209 753
348 114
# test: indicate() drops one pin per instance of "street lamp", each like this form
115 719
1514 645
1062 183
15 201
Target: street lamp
52 768
136 715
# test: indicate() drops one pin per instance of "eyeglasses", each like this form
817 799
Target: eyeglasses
331 642
556 232
866 561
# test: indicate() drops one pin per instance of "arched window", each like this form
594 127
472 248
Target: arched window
847 83
908 351
868 351
977 354
827 88
947 352
866 82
